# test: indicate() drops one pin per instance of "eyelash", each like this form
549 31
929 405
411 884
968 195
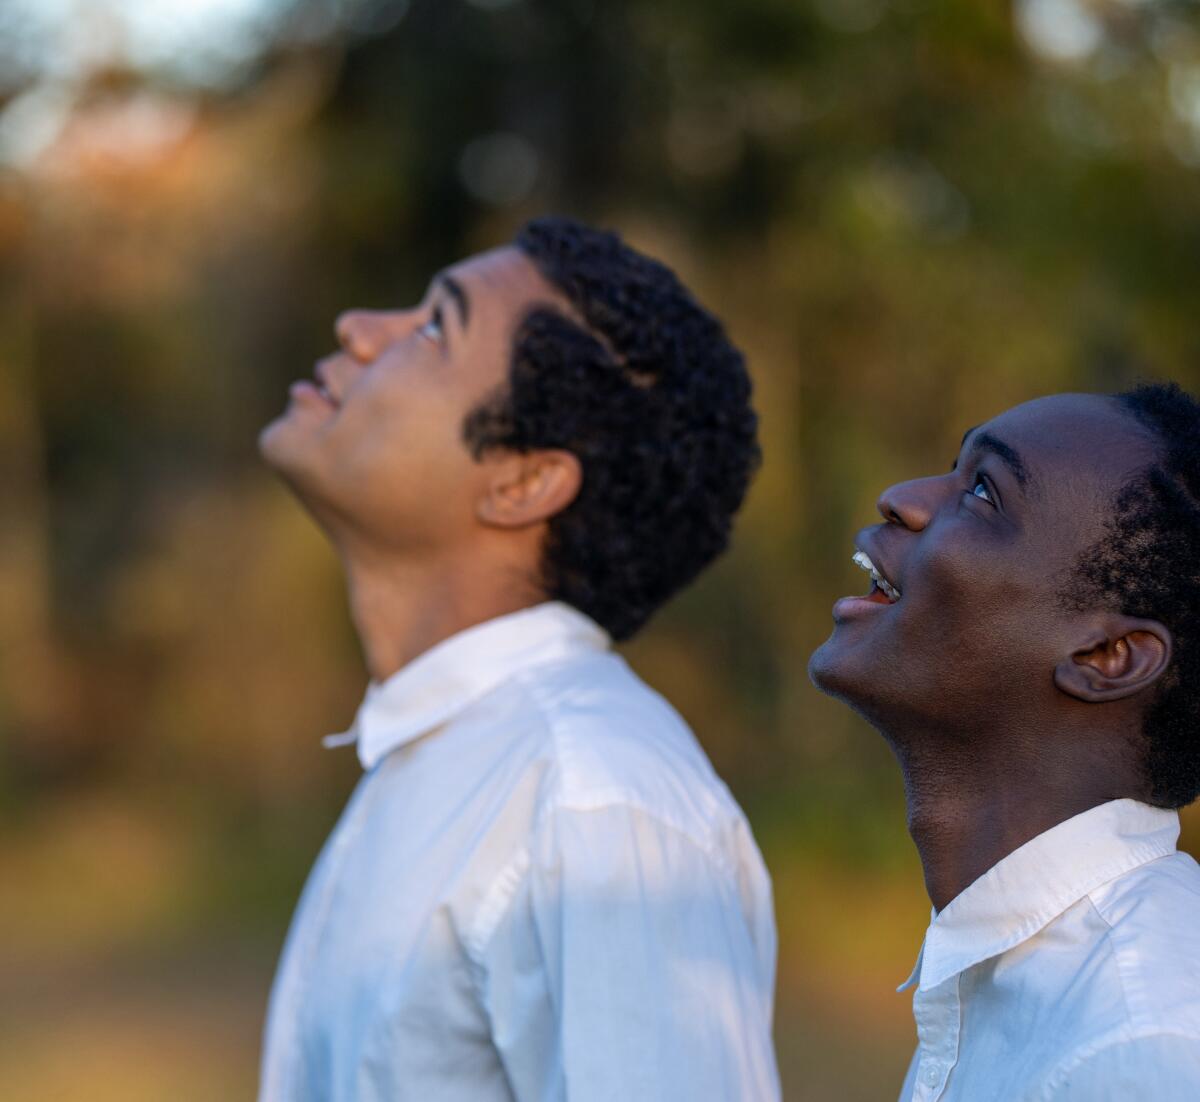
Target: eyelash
436 323
979 480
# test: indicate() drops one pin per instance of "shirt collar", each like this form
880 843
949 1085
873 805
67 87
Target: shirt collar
1035 883
443 681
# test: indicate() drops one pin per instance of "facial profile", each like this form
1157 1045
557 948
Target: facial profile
1029 648
966 616
566 390
373 441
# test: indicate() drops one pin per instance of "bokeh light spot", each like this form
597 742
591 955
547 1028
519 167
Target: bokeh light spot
1063 30
499 168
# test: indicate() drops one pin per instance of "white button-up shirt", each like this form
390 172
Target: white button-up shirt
1069 972
539 890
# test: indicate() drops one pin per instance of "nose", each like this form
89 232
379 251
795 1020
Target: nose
366 333
911 504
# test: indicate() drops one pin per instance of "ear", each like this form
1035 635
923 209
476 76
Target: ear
530 488
1123 656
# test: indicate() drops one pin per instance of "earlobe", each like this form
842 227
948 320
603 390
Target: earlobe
531 488
1126 656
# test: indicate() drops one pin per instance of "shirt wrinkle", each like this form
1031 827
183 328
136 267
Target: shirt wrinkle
976 934
395 984
496 900
1125 961
508 882
1114 952
556 798
1081 1056
571 792
1082 941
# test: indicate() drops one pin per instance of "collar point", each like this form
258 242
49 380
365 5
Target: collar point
339 739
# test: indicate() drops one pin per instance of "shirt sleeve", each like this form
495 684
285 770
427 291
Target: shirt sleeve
632 964
1164 1067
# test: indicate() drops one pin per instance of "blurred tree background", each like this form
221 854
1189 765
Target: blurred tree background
912 214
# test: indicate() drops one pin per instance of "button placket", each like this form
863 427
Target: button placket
937 1012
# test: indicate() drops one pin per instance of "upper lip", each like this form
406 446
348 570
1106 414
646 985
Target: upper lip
879 571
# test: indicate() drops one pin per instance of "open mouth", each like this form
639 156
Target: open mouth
882 591
314 390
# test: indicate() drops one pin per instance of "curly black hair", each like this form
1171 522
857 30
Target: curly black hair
1148 565
648 392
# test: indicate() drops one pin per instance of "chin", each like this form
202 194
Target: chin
840 672
283 448
826 668
284 451
272 439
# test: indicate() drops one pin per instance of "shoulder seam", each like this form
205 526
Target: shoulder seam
534 691
1111 940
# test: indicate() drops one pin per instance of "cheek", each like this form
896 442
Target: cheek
942 586
401 454
985 607
398 419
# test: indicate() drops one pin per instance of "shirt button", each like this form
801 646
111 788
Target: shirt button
932 1074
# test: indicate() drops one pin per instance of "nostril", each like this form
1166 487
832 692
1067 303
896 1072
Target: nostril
888 511
910 505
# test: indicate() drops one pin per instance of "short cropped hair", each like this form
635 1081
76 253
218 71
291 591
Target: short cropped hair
652 397
1148 565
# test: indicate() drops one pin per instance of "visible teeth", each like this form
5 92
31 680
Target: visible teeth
862 559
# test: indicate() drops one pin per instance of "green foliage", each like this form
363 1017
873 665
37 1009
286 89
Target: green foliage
909 217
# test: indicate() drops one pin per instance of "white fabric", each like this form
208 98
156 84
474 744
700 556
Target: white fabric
1070 972
540 890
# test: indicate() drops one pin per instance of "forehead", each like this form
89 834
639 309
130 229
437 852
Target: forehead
1079 450
503 281
1086 439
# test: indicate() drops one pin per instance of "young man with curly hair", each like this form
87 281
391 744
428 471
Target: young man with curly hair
540 889
1030 649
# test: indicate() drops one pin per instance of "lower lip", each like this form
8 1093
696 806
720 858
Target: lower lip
306 391
852 608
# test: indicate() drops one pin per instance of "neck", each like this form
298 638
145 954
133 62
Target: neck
401 608
968 809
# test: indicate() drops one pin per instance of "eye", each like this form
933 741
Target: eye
980 490
432 329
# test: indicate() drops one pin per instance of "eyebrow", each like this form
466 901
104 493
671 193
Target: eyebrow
1006 453
458 293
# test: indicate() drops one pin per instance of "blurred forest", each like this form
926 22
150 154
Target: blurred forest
911 213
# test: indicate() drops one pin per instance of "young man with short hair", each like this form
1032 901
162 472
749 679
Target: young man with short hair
1030 649
540 889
